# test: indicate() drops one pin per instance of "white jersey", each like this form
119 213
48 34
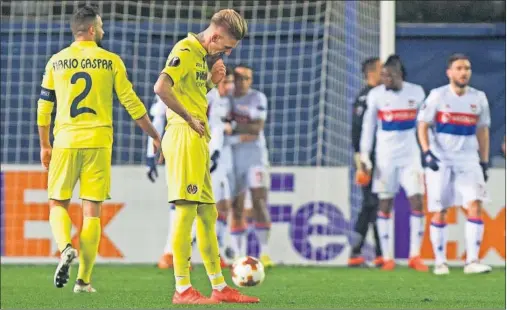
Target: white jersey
250 107
393 114
454 120
157 111
219 108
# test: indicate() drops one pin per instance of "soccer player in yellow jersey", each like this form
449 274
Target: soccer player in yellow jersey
182 86
81 79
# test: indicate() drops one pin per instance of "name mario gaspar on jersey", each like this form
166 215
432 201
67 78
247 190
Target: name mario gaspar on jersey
85 63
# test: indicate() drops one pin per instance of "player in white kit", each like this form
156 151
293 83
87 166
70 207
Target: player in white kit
453 130
249 113
391 114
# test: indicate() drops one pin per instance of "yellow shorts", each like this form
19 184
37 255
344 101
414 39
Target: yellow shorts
187 163
92 167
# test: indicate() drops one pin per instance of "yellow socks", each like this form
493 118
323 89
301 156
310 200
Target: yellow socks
182 244
208 244
89 246
61 226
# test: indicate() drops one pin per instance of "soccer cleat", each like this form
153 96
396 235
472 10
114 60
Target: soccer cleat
191 296
389 265
266 261
230 295
441 270
166 261
417 263
357 261
87 288
378 261
223 263
476 267
63 269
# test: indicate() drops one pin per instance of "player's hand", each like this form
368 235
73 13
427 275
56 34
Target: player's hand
214 161
366 164
152 169
196 125
217 71
247 138
430 160
45 156
485 167
228 128
157 145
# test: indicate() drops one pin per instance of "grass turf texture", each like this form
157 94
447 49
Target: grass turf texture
143 286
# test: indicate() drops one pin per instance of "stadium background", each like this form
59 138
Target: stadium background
306 58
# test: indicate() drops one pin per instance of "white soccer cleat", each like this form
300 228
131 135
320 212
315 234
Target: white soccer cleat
63 269
441 270
84 288
476 267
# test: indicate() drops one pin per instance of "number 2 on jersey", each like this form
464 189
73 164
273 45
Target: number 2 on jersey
74 110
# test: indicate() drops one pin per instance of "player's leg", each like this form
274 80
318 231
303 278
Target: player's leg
257 180
411 179
208 246
385 185
62 177
364 219
95 186
440 194
222 196
166 260
238 226
471 187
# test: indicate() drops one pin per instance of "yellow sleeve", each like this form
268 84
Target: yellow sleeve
125 92
177 64
47 97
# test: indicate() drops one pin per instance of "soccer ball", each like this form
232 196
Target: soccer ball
247 271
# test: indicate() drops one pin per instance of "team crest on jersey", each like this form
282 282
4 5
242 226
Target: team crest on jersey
174 62
411 103
192 189
473 107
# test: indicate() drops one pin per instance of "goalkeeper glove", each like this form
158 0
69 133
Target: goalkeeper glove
430 161
484 167
214 160
152 169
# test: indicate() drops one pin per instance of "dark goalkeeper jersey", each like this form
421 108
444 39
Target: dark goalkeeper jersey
357 120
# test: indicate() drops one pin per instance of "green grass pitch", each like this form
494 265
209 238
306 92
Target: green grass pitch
143 286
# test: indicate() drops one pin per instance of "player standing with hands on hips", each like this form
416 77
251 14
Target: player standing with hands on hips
81 79
371 69
182 86
392 110
453 131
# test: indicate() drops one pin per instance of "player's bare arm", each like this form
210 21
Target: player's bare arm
422 135
163 88
483 140
45 146
147 126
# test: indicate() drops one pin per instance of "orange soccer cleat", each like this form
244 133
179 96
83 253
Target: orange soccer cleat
230 295
357 261
378 261
417 263
191 296
362 178
389 265
166 261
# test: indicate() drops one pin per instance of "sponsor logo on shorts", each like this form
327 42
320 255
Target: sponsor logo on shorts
192 189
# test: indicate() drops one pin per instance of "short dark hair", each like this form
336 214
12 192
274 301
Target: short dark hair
229 70
369 65
83 18
456 56
243 66
394 61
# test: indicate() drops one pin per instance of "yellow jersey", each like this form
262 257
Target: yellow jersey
81 79
187 67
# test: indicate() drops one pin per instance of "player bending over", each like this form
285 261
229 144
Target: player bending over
81 79
249 113
392 109
368 215
182 86
453 131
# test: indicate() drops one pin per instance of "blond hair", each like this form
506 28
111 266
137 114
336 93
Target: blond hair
232 21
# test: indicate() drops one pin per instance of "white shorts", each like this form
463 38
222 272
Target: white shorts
253 177
455 186
387 180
